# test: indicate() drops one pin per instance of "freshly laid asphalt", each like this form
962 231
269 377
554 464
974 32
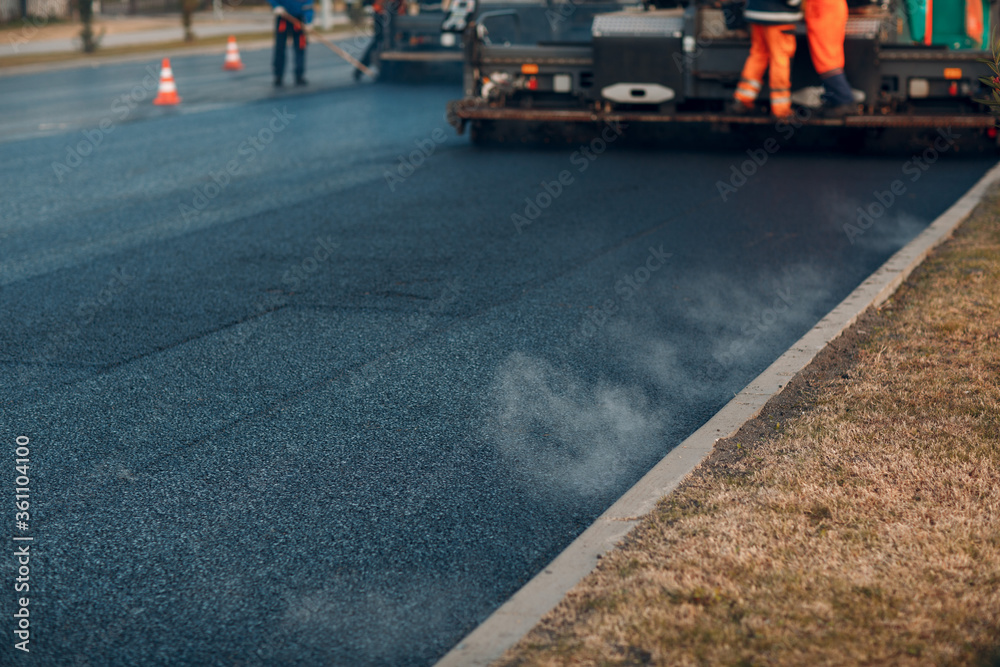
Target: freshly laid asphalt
308 413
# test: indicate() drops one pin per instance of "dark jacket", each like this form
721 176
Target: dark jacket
773 12
389 6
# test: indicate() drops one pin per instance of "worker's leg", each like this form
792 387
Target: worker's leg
280 35
780 49
753 70
299 45
826 26
379 26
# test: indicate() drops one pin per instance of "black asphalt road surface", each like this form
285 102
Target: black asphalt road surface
307 379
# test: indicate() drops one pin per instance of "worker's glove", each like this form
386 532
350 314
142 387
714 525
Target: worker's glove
279 11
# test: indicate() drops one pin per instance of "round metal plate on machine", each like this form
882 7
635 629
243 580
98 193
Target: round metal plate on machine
637 93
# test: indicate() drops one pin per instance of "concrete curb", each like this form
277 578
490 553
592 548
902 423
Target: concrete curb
521 612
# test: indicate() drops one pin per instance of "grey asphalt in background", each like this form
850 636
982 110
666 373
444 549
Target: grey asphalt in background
328 421
80 98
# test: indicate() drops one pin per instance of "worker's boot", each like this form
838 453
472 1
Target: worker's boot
781 103
739 108
278 83
839 111
301 81
838 98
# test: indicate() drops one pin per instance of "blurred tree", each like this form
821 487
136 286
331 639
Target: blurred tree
356 12
86 9
992 82
188 8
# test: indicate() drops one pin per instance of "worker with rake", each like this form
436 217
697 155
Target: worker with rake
292 19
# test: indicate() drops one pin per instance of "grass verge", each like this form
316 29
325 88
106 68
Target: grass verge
856 521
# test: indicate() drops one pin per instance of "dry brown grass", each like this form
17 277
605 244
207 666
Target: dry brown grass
866 532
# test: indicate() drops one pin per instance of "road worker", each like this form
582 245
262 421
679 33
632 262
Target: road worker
772 45
826 26
383 11
292 18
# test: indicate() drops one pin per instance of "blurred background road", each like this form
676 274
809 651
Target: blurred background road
300 391
42 37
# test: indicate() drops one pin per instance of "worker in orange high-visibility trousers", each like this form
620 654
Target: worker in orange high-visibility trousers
302 13
826 26
772 45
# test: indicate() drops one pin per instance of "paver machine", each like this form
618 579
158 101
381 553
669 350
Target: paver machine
426 41
533 72
417 43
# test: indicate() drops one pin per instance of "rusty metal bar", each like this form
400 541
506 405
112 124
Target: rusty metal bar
421 56
474 111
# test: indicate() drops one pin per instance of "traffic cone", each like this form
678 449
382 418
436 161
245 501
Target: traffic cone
167 93
233 61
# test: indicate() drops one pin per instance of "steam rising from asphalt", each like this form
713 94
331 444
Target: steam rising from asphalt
569 434
566 433
870 226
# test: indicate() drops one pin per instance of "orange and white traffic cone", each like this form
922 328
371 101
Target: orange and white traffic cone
233 61
167 93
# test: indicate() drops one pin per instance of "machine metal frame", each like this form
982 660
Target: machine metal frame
680 66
